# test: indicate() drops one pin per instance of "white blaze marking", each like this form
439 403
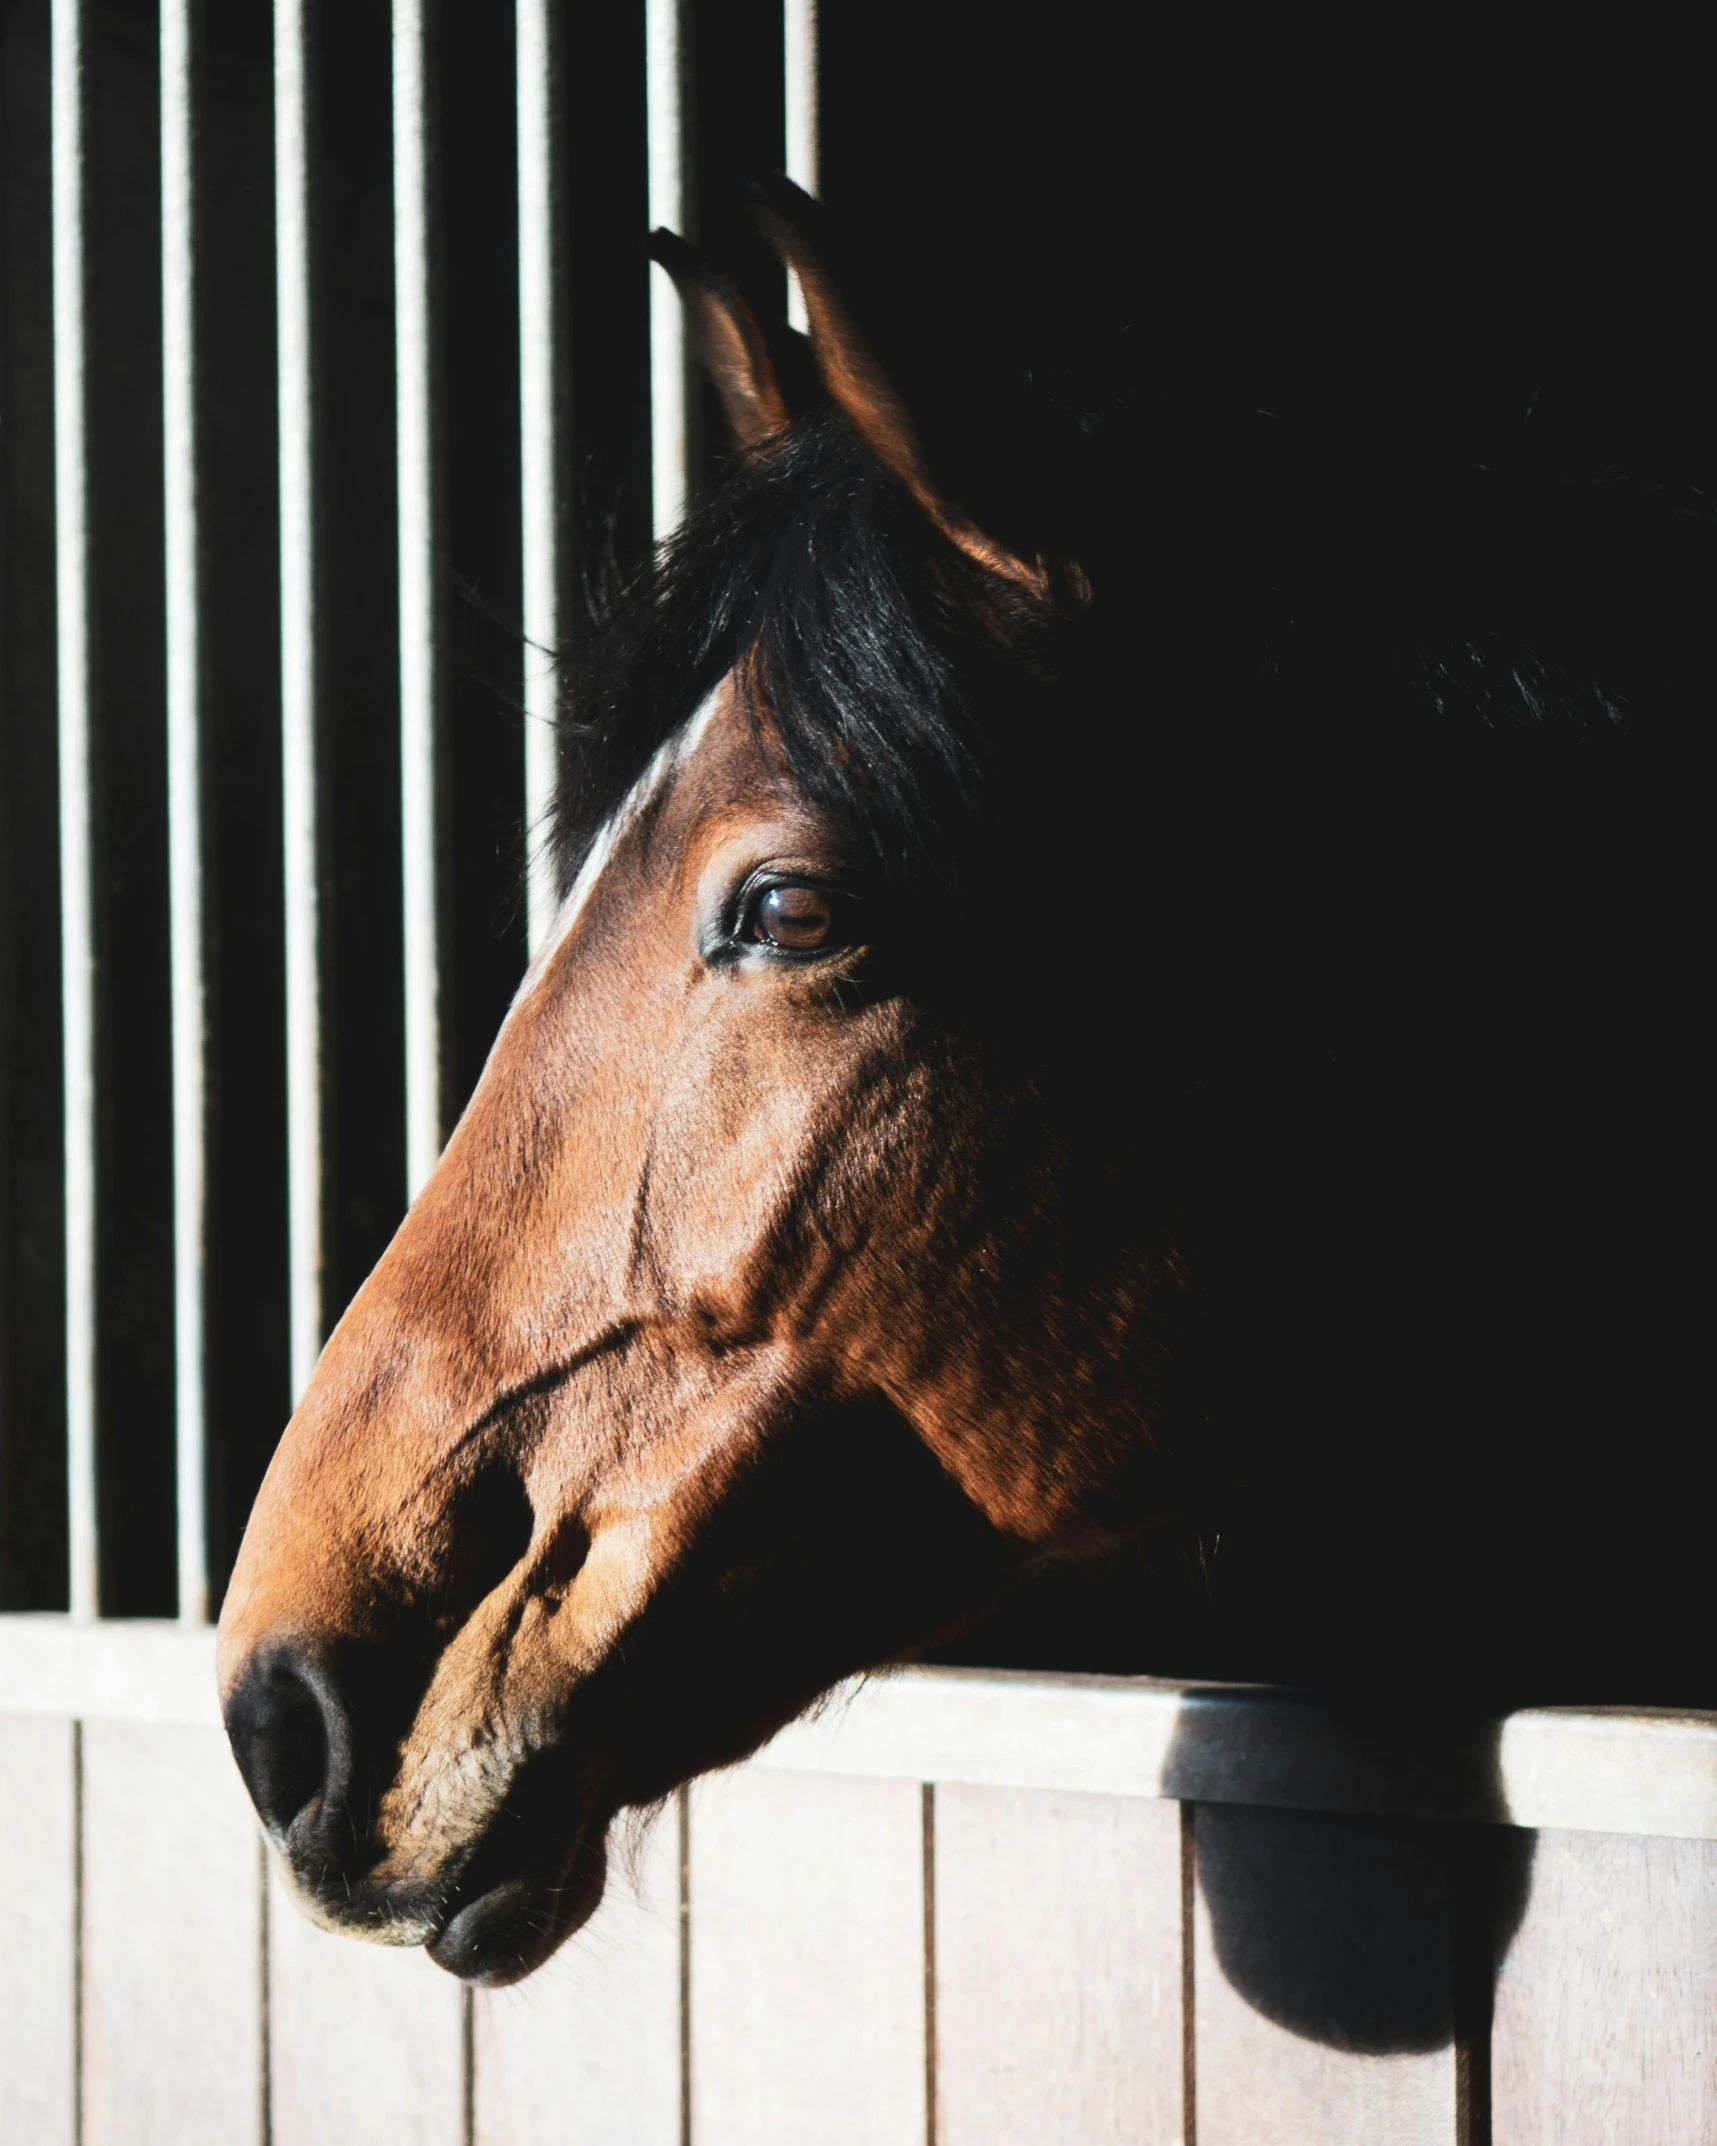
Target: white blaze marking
669 758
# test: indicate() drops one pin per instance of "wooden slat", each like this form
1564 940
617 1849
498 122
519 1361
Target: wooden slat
1323 1982
1610 1769
172 1941
366 2043
1606 2009
129 1669
589 2047
807 1962
1058 1969
38 1959
1604 1769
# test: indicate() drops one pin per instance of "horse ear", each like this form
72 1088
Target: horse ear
789 219
729 341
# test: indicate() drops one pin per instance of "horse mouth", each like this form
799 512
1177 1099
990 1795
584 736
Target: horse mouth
532 1876
492 1921
496 1931
489 1885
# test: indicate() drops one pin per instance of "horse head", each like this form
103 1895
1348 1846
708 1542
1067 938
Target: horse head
782 1294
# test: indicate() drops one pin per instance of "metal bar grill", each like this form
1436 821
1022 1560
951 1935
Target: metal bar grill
410 1027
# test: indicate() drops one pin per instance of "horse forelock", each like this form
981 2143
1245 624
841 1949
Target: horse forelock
811 578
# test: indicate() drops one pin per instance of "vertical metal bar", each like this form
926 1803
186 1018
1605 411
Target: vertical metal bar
184 802
540 458
77 891
80 2040
669 202
298 692
799 41
418 594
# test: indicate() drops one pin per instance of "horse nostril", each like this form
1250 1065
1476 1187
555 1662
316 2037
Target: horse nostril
291 1737
494 1525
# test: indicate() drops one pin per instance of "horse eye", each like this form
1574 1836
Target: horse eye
799 918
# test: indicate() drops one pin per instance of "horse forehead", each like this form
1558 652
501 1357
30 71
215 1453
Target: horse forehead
716 764
732 771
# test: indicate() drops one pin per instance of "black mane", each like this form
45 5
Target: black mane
1248 577
810 564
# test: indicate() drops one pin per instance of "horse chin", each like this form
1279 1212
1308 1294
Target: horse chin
499 1932
489 1925
381 1913
489 1895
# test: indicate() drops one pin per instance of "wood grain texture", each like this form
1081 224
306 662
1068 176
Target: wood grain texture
172 1940
38 1961
366 2042
1322 1981
588 2049
1606 2006
1058 1969
807 1961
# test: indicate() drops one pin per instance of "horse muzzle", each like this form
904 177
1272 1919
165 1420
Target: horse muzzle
488 1906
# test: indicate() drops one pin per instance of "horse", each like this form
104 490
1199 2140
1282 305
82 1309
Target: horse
1116 1084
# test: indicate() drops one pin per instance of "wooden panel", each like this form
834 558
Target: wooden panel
588 2049
1322 1981
807 1961
117 1669
1606 2008
1599 1770
1058 1969
172 1943
366 2042
38 1958
1602 1770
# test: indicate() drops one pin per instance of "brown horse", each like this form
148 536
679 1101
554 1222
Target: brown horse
963 1085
